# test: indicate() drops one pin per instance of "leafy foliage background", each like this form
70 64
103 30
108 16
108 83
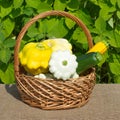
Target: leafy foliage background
102 17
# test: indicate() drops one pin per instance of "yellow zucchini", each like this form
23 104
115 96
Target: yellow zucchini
101 47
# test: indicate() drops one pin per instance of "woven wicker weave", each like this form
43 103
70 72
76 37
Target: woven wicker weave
53 94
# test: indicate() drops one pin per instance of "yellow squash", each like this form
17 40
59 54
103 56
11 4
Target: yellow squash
58 44
34 57
101 47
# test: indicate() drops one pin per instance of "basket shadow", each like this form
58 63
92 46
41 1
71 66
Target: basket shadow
12 90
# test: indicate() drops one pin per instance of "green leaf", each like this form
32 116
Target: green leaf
1 43
85 17
7 76
43 28
28 11
6 3
37 4
118 3
94 30
5 55
50 2
104 58
17 3
33 31
100 25
73 5
69 23
43 7
118 14
9 43
32 3
115 57
106 12
2 38
57 29
111 22
114 64
15 13
113 2
4 11
58 5
115 68
79 36
116 78
53 28
8 26
114 43
114 38
95 2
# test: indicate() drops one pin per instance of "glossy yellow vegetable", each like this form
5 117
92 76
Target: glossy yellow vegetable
99 47
58 44
34 57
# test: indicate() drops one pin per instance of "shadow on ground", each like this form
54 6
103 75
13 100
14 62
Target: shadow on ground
12 90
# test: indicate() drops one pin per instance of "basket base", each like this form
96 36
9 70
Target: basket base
60 107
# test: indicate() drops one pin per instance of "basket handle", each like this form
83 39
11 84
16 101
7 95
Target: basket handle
43 15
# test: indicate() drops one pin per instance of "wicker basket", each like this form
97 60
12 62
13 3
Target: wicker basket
53 94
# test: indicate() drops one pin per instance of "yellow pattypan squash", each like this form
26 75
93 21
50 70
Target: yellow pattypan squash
34 57
58 44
